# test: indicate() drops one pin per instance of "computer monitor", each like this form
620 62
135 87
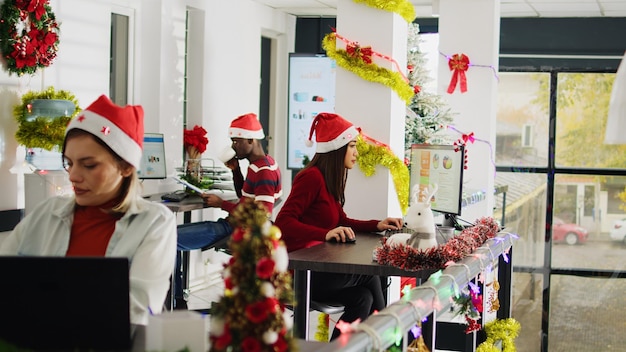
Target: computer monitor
442 165
152 164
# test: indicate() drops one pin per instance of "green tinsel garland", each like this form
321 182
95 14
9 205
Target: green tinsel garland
369 72
46 132
372 155
505 330
401 7
322 328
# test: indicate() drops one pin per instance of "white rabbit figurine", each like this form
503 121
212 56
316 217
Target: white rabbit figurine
420 220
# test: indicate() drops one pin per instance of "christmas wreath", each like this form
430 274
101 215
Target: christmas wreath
44 132
29 35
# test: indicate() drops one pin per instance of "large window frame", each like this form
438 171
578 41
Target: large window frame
555 65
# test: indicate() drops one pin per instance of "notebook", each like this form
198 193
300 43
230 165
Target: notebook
65 303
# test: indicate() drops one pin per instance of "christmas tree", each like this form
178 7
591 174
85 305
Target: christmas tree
430 113
251 316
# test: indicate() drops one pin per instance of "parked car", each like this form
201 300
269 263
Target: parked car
618 232
568 233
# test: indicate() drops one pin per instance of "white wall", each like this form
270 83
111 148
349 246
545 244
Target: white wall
230 74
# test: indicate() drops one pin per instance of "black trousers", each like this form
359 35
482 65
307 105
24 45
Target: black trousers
360 294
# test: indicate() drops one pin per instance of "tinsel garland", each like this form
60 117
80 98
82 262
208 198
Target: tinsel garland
372 155
46 132
403 8
408 258
505 330
370 72
322 327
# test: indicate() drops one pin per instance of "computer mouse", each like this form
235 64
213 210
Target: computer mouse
348 240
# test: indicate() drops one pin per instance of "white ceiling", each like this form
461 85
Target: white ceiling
508 8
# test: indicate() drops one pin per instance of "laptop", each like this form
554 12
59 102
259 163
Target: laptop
65 303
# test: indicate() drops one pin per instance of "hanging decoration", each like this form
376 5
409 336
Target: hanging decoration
372 153
46 132
494 301
465 138
462 142
369 71
408 258
459 64
403 8
252 315
29 35
500 330
418 344
470 304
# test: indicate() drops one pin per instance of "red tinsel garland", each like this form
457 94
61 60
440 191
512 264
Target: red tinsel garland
408 258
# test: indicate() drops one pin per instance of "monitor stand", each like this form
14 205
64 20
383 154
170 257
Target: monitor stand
449 220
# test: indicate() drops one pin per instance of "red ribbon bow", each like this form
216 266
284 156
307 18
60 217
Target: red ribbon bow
364 53
459 63
468 137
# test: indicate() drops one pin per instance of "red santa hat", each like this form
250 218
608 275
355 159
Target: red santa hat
121 128
246 126
331 132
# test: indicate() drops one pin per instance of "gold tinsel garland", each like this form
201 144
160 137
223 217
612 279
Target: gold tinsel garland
44 132
370 72
505 330
402 7
321 334
372 155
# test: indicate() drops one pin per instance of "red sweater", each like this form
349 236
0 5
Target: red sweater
263 183
310 212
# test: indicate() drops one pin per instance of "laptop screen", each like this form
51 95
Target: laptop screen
65 303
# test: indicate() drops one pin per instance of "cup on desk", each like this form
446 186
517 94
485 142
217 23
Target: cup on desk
226 155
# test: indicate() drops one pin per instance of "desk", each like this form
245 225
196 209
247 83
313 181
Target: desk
190 203
336 258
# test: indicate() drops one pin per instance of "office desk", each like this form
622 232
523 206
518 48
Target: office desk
187 205
331 257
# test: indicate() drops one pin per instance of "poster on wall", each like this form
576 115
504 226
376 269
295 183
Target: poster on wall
311 91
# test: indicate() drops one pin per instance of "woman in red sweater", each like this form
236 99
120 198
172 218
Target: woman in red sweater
313 213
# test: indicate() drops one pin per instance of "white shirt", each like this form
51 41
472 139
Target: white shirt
146 235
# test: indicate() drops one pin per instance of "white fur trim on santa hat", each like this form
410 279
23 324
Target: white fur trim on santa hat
344 138
234 132
109 133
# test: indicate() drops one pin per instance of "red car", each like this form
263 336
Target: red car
568 233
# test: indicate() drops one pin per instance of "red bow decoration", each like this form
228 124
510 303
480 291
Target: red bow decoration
364 53
459 63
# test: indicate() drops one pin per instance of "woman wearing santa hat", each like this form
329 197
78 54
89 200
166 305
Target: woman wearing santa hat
106 217
313 213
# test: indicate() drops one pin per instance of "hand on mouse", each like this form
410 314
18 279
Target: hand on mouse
340 234
389 224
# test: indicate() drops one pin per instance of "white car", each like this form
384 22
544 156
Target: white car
618 231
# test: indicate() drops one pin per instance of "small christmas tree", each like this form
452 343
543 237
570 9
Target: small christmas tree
251 316
431 113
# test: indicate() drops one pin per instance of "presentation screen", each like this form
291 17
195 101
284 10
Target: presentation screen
152 164
311 91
